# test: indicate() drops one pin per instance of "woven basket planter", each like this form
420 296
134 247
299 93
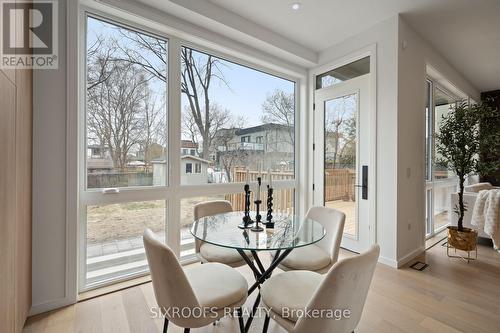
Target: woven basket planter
465 240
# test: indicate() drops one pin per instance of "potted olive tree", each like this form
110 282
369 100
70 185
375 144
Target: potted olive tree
458 146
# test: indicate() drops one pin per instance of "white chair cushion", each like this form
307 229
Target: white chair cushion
217 285
292 290
214 253
309 258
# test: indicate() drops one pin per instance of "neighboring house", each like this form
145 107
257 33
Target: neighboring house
193 167
189 147
259 147
193 170
98 159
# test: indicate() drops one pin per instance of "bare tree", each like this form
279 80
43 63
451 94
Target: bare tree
189 128
153 126
279 108
198 73
340 129
115 110
99 61
229 153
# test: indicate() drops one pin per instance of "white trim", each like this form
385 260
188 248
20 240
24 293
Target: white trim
388 262
442 82
410 256
72 161
371 51
51 305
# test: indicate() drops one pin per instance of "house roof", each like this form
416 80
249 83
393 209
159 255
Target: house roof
96 146
261 128
188 144
195 158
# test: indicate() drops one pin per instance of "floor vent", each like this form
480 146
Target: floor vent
419 266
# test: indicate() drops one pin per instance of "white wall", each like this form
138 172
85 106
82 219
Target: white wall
384 35
49 180
414 54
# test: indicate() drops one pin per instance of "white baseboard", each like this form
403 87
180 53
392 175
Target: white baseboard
388 262
403 261
407 258
50 305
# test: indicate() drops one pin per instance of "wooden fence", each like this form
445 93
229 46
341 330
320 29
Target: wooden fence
283 199
124 179
339 184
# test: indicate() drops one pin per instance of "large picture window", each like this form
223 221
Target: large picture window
125 147
440 182
236 118
236 123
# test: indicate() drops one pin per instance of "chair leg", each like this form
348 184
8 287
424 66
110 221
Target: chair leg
266 324
165 325
239 312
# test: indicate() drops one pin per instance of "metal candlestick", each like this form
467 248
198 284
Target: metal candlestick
247 220
258 217
269 218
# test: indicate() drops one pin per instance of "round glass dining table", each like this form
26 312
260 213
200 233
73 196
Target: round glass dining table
289 232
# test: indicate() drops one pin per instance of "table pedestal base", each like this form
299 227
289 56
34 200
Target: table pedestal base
261 275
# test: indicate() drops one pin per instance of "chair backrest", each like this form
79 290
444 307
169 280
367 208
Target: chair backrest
208 208
344 287
333 221
170 284
478 187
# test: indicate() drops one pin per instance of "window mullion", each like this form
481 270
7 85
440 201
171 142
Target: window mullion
174 142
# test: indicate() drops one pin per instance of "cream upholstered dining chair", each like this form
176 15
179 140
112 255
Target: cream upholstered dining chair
345 287
197 296
321 256
213 253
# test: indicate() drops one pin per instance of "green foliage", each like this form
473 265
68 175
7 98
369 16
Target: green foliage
460 141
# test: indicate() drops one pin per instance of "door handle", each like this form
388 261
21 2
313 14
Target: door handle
364 182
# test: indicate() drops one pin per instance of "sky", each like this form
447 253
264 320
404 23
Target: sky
248 88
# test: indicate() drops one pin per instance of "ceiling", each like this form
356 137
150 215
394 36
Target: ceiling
466 32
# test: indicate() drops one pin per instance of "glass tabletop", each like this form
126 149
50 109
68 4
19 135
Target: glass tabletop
288 232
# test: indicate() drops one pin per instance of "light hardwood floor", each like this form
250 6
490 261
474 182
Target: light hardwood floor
449 296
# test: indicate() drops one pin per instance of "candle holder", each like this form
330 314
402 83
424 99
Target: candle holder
269 218
247 220
258 217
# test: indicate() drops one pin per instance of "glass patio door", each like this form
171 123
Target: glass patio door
342 156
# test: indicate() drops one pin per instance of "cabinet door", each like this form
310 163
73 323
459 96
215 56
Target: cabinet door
7 202
24 153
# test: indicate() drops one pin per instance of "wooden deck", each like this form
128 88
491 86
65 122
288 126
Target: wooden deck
349 209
